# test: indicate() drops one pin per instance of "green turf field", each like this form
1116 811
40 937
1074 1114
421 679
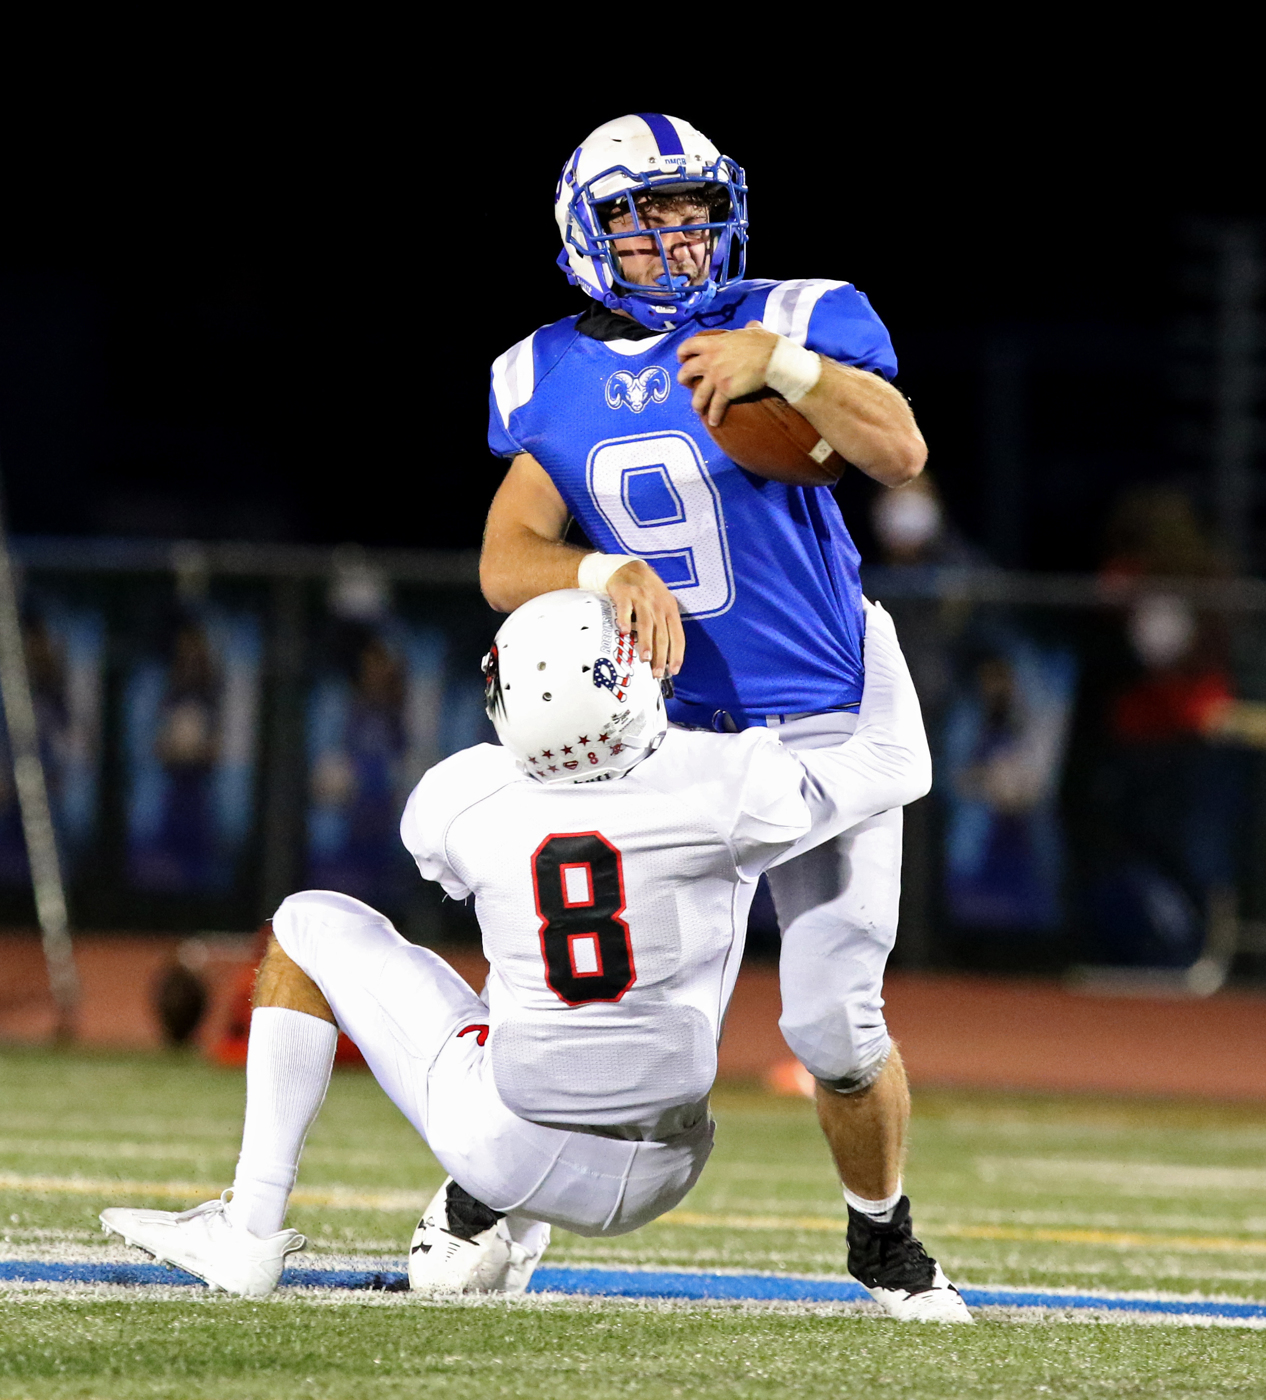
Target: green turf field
1045 1192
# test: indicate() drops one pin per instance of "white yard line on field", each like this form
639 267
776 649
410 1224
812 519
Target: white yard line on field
337 1197
1161 1178
165 1150
1121 1239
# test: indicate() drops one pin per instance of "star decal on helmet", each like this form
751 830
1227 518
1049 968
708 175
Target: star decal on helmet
584 739
567 748
547 753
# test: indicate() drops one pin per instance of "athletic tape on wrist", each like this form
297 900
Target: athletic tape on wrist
596 569
792 370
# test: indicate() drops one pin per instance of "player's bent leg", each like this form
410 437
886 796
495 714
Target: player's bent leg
399 1003
280 981
423 1032
586 1182
838 907
239 1244
866 1131
336 962
518 1178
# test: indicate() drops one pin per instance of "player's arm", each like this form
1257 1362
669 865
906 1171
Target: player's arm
524 555
861 415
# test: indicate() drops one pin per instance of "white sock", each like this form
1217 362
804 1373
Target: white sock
878 1211
288 1061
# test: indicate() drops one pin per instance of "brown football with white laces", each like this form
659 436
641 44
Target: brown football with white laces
763 433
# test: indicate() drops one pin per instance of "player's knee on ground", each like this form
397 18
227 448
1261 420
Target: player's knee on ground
280 981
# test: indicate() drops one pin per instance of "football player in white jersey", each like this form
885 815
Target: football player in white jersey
613 863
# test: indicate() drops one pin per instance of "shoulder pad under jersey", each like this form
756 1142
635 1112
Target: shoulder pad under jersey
833 318
516 374
447 790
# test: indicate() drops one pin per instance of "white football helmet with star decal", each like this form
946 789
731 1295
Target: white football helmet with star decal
567 693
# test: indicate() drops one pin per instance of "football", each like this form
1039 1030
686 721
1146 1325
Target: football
764 434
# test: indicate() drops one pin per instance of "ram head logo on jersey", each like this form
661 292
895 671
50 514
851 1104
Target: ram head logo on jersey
637 390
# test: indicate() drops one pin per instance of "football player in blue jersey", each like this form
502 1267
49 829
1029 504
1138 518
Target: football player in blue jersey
743 589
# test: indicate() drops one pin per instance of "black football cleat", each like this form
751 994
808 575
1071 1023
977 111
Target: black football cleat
898 1272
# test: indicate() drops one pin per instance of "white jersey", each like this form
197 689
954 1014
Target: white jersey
613 913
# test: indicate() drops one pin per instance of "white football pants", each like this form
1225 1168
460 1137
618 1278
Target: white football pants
419 1027
837 908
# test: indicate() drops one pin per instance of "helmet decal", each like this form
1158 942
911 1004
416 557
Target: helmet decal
605 674
665 134
494 701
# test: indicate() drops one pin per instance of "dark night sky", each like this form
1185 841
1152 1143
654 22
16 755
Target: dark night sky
270 315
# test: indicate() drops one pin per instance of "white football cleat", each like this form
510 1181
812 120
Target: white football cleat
205 1242
464 1246
898 1272
941 1302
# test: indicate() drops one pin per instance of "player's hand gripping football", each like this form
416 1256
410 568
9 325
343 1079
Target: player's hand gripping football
724 367
645 605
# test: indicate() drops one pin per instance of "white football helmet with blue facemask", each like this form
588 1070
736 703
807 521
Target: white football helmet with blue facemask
648 154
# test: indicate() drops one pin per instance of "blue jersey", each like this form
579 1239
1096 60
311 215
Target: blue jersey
765 574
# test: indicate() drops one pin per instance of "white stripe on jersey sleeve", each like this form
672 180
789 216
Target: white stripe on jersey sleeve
513 379
790 305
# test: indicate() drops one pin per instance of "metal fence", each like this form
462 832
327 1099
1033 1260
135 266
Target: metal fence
225 723
1100 758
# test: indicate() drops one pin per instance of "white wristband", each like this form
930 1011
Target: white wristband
596 569
792 370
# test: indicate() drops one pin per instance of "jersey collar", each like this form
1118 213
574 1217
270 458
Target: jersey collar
598 323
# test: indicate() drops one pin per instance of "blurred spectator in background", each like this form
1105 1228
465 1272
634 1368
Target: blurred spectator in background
360 745
916 541
912 528
190 714
1005 739
187 746
914 534
1172 791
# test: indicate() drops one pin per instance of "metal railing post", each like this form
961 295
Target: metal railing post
32 791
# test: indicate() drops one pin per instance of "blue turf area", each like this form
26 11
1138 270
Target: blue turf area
636 1283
